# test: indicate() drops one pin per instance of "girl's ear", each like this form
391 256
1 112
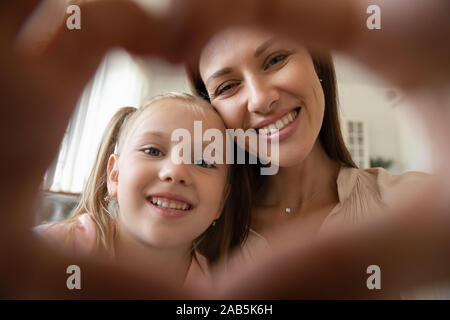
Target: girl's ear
226 193
113 175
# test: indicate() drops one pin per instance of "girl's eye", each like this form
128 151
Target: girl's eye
204 164
277 59
224 88
153 152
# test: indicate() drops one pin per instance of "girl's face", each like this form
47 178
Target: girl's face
260 81
163 204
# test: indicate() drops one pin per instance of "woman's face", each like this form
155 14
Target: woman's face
260 81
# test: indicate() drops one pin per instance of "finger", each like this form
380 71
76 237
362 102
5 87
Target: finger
13 14
324 23
411 250
104 25
39 272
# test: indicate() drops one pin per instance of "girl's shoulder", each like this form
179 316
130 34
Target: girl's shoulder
254 247
76 237
199 273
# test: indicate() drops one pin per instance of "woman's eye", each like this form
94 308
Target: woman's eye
224 88
204 164
273 61
153 152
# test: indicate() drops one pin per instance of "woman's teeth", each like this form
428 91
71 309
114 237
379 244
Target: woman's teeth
279 124
169 204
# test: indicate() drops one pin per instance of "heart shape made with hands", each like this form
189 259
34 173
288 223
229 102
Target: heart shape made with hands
44 72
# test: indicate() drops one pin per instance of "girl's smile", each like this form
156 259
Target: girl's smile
170 205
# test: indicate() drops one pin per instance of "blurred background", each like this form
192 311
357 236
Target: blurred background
378 126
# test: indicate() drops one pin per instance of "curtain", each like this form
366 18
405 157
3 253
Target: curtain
118 82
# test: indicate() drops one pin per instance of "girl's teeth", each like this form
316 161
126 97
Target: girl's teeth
169 204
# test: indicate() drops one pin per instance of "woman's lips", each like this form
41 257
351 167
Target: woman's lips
286 131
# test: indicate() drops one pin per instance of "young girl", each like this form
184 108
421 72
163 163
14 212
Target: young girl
139 207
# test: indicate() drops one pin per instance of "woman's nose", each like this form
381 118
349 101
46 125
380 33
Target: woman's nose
262 96
175 173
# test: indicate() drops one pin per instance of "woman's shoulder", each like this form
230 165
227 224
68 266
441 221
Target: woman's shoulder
389 188
76 237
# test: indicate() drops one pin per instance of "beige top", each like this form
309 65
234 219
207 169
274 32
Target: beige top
364 195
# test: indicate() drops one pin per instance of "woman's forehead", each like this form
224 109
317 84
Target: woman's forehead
236 35
233 45
237 39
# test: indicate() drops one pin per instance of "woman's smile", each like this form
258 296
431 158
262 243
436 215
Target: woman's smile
281 128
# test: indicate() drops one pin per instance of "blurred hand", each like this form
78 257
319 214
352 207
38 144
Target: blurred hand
39 92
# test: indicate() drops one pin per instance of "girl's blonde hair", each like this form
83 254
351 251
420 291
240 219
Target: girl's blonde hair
230 229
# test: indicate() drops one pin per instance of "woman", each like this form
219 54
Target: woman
264 81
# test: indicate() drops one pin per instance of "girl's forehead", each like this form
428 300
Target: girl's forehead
168 115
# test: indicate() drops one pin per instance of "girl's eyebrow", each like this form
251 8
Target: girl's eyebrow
154 134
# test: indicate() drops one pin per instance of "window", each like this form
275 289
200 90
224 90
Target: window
356 138
118 82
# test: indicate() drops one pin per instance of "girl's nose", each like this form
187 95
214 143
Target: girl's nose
175 173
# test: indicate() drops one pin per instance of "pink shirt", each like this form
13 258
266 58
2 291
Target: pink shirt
81 241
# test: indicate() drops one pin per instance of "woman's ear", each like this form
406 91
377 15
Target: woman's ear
226 193
113 175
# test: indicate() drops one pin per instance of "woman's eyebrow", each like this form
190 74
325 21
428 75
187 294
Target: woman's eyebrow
257 53
219 73
263 47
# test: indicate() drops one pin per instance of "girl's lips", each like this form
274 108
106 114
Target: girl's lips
169 213
286 132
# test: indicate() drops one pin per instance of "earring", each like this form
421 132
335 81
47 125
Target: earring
213 223
320 80
107 198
